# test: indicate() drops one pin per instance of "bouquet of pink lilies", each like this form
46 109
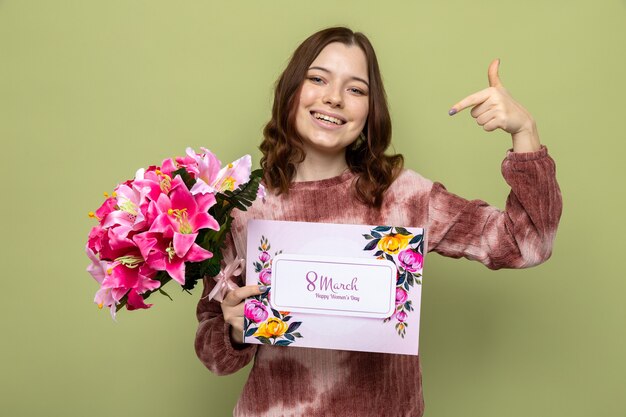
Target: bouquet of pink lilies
169 222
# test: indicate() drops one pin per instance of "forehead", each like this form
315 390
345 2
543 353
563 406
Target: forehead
342 60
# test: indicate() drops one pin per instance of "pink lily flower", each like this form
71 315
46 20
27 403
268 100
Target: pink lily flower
170 242
204 165
116 242
152 182
183 213
132 276
107 207
168 166
131 205
188 162
170 255
127 274
206 170
234 174
94 241
98 269
211 179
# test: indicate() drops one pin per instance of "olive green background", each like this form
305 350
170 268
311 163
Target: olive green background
92 90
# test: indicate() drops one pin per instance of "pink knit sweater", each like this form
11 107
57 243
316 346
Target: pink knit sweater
294 381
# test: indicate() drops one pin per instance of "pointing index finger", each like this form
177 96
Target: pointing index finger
469 101
479 97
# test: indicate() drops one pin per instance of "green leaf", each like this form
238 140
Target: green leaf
165 294
293 326
244 196
401 279
251 331
287 318
289 336
185 176
264 340
368 237
371 245
296 334
376 234
402 231
283 343
276 313
382 228
410 279
415 239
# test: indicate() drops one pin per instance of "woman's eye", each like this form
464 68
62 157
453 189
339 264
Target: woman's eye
357 91
316 80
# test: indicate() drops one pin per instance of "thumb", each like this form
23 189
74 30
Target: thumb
492 74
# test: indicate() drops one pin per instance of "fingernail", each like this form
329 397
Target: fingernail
262 288
452 112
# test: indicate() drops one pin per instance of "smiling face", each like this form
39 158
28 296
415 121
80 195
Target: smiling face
334 102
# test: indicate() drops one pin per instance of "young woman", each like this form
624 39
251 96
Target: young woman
324 161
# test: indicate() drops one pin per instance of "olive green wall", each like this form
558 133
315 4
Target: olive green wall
92 90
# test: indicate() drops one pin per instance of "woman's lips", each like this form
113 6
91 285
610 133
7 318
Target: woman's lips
325 124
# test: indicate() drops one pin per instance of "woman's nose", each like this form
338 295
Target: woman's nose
333 98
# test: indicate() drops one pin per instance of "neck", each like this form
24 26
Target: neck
320 167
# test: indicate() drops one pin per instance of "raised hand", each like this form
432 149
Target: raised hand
494 108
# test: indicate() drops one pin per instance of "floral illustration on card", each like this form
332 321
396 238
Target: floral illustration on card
268 325
406 251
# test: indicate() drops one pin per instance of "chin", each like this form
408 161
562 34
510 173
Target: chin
328 146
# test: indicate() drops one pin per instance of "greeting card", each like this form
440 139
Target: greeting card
334 286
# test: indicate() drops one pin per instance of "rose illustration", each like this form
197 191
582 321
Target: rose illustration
265 276
401 295
272 327
255 311
264 256
411 260
392 244
401 316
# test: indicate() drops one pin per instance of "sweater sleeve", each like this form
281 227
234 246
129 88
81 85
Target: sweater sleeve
518 237
213 344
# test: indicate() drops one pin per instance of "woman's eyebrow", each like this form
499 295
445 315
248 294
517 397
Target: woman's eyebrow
352 78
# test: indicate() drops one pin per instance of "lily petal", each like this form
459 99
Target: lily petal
176 269
197 254
135 301
182 243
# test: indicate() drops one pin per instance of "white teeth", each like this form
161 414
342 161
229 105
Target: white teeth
328 118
